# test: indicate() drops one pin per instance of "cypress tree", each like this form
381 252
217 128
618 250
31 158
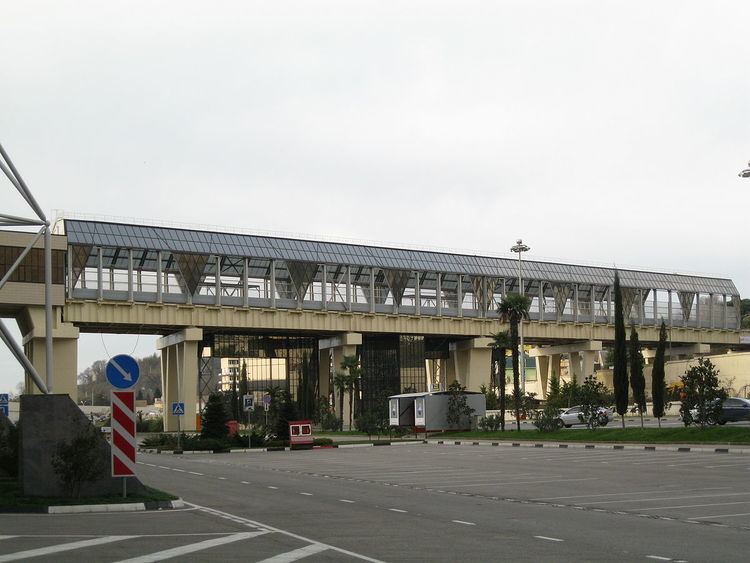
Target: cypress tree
637 380
658 388
620 375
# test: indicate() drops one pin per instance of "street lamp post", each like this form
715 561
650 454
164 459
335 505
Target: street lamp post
520 248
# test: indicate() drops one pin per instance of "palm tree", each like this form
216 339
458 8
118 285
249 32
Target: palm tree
513 309
349 383
340 383
500 343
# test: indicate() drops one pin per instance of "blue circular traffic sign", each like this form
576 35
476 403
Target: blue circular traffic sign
122 371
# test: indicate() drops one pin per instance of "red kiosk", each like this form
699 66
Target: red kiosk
300 432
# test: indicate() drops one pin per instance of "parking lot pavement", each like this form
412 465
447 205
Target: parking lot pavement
197 533
474 502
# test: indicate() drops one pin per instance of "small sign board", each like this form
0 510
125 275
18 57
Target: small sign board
178 409
122 371
4 403
266 406
266 399
247 402
300 432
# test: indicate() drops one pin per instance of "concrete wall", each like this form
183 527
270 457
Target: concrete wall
734 370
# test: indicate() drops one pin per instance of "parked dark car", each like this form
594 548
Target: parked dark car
733 409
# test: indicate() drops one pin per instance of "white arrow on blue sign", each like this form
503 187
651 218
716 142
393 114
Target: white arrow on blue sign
4 403
178 409
122 371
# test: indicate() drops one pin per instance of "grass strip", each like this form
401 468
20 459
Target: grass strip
11 495
722 435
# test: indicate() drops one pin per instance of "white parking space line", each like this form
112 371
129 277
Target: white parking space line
464 522
397 510
548 538
664 498
720 516
52 549
694 505
244 482
346 500
658 558
272 487
193 547
495 483
249 522
290 556
222 478
677 489
307 494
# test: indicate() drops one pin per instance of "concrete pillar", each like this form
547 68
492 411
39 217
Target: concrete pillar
542 374
31 323
179 376
589 357
471 361
340 346
324 373
574 367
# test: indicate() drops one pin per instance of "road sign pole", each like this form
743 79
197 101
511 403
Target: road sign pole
179 441
124 487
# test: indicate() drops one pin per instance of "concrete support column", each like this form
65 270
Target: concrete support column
179 376
471 361
340 346
542 374
589 357
31 323
574 367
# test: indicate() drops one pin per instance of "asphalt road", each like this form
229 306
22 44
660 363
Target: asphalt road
426 503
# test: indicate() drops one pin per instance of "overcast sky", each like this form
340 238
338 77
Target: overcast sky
599 131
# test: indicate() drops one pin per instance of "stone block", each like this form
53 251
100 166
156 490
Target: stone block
46 421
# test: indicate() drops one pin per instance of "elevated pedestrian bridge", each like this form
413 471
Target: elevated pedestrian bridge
412 316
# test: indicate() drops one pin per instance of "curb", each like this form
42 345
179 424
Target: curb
605 446
281 449
90 508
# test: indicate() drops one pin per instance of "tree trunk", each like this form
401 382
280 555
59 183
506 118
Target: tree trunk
502 394
659 419
351 400
341 406
641 417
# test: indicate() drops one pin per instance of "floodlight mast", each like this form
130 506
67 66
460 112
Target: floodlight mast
9 169
520 248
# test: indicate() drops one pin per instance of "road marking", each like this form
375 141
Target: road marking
195 473
179 470
272 487
61 547
464 522
695 505
244 482
721 516
665 498
548 538
193 547
658 557
6 537
249 522
307 494
290 556
162 467
346 500
149 464
461 485
397 510
633 493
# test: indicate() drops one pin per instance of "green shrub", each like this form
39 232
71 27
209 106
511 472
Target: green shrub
9 450
490 423
81 460
322 442
547 419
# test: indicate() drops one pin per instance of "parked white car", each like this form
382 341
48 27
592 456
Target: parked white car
571 416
